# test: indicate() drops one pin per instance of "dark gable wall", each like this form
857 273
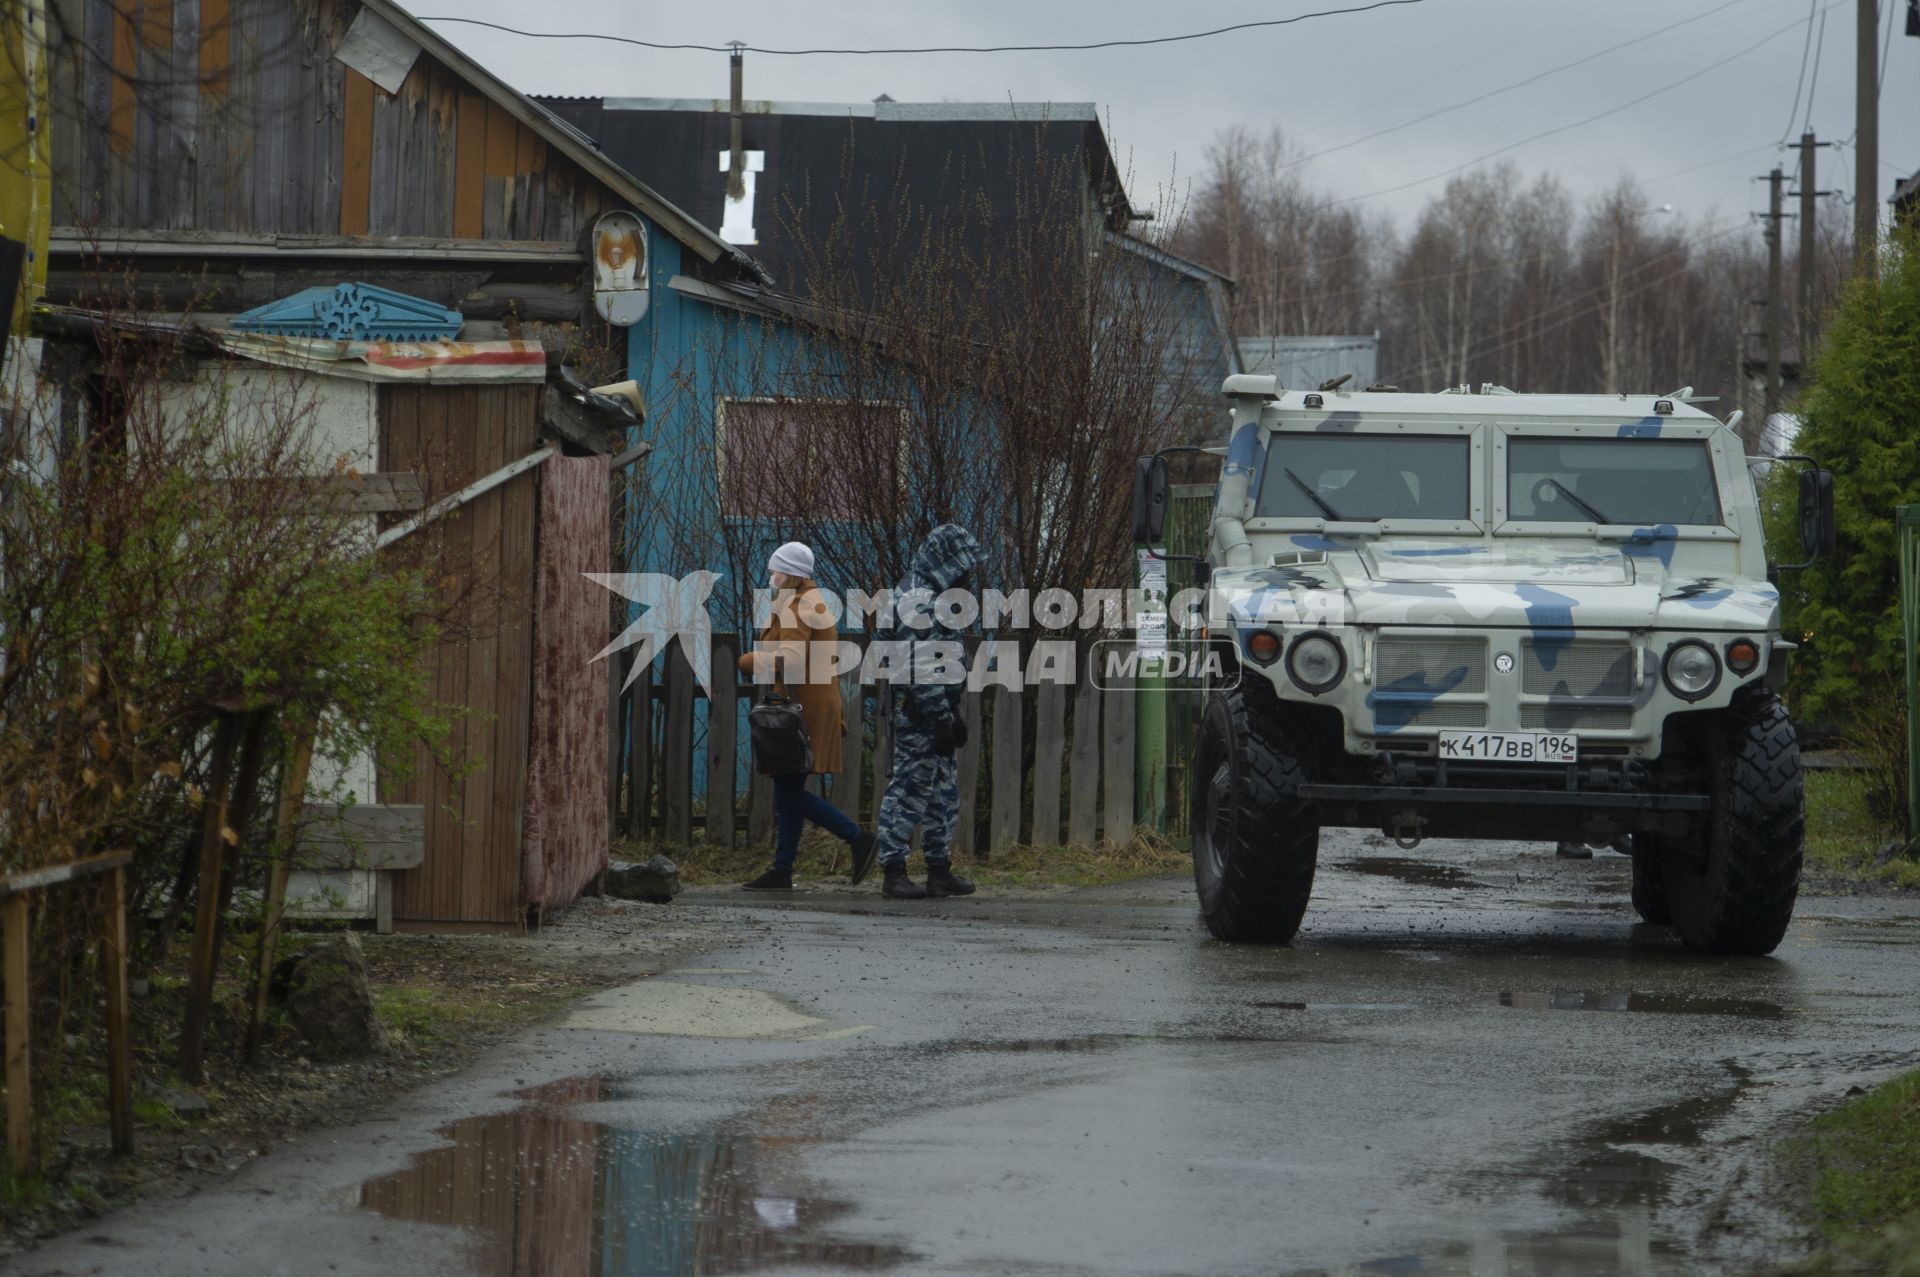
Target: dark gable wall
820 166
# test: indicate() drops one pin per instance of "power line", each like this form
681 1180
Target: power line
1819 50
1424 370
1691 78
1800 81
1001 48
1532 79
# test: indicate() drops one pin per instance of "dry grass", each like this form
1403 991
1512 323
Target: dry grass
822 857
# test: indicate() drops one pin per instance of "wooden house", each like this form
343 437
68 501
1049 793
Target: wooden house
229 155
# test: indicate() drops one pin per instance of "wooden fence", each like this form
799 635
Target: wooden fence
1047 765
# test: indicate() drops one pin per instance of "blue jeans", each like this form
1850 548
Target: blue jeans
793 805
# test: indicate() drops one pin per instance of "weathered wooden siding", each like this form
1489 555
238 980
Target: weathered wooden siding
451 436
566 835
235 116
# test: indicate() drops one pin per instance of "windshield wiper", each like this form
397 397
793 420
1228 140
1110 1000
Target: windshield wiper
1567 492
1312 496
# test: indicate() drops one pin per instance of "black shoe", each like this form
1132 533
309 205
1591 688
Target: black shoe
941 882
864 845
1573 851
771 880
898 886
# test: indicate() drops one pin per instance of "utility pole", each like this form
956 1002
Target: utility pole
1866 111
1774 180
1809 260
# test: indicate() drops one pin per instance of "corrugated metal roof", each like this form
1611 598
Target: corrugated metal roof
880 110
1308 361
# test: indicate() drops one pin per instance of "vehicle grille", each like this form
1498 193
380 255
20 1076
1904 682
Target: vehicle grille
1572 717
1393 718
1579 669
1403 663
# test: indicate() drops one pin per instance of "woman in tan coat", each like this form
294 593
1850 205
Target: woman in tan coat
797 650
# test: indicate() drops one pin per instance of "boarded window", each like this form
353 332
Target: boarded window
809 458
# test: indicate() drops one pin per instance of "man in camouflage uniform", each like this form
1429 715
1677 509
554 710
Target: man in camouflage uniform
927 727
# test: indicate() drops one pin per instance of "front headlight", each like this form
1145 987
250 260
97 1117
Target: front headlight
1692 670
1317 662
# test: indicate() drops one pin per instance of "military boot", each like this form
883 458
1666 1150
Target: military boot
898 886
941 882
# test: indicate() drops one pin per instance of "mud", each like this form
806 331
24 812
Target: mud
1083 1082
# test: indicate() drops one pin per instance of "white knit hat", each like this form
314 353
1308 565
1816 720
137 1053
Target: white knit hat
793 558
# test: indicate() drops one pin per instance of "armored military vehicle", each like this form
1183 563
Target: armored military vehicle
1494 615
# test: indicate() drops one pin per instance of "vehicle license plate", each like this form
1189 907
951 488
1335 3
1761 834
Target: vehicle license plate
1510 747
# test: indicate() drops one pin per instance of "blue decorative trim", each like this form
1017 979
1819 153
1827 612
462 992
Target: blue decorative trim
353 312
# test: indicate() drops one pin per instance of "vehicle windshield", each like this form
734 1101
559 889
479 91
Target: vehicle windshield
1639 481
1363 477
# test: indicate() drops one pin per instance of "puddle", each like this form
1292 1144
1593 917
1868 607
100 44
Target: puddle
1418 873
537 1191
1654 1003
1620 1244
1334 1006
697 1010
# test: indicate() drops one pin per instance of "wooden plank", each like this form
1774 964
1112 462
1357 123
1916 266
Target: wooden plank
213 824
216 45
286 818
676 752
469 165
1049 753
156 23
439 112
882 752
497 195
363 836
640 755
184 114
617 666
19 1059
846 781
1116 767
483 689
760 823
52 875
121 112
723 713
113 961
516 409
530 154
1083 806
966 837
356 158
67 61
1009 768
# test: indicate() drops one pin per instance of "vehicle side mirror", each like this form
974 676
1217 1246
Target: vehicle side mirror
1149 499
1818 533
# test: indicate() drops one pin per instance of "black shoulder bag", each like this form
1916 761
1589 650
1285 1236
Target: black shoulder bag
779 732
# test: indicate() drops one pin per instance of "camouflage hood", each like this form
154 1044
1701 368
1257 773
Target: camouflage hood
1525 585
948 553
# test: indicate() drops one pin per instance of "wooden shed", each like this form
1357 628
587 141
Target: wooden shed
227 155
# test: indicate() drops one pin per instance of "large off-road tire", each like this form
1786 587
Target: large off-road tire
1732 891
1255 840
1649 882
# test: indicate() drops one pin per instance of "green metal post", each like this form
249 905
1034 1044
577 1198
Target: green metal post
1150 727
1909 530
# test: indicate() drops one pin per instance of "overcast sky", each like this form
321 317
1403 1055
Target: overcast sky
1325 81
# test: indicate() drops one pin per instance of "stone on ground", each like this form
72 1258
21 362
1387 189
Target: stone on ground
656 880
330 1003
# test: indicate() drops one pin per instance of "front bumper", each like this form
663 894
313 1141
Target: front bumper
1405 684
1436 811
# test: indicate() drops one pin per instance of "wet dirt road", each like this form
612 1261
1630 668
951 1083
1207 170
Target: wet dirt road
1470 1062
